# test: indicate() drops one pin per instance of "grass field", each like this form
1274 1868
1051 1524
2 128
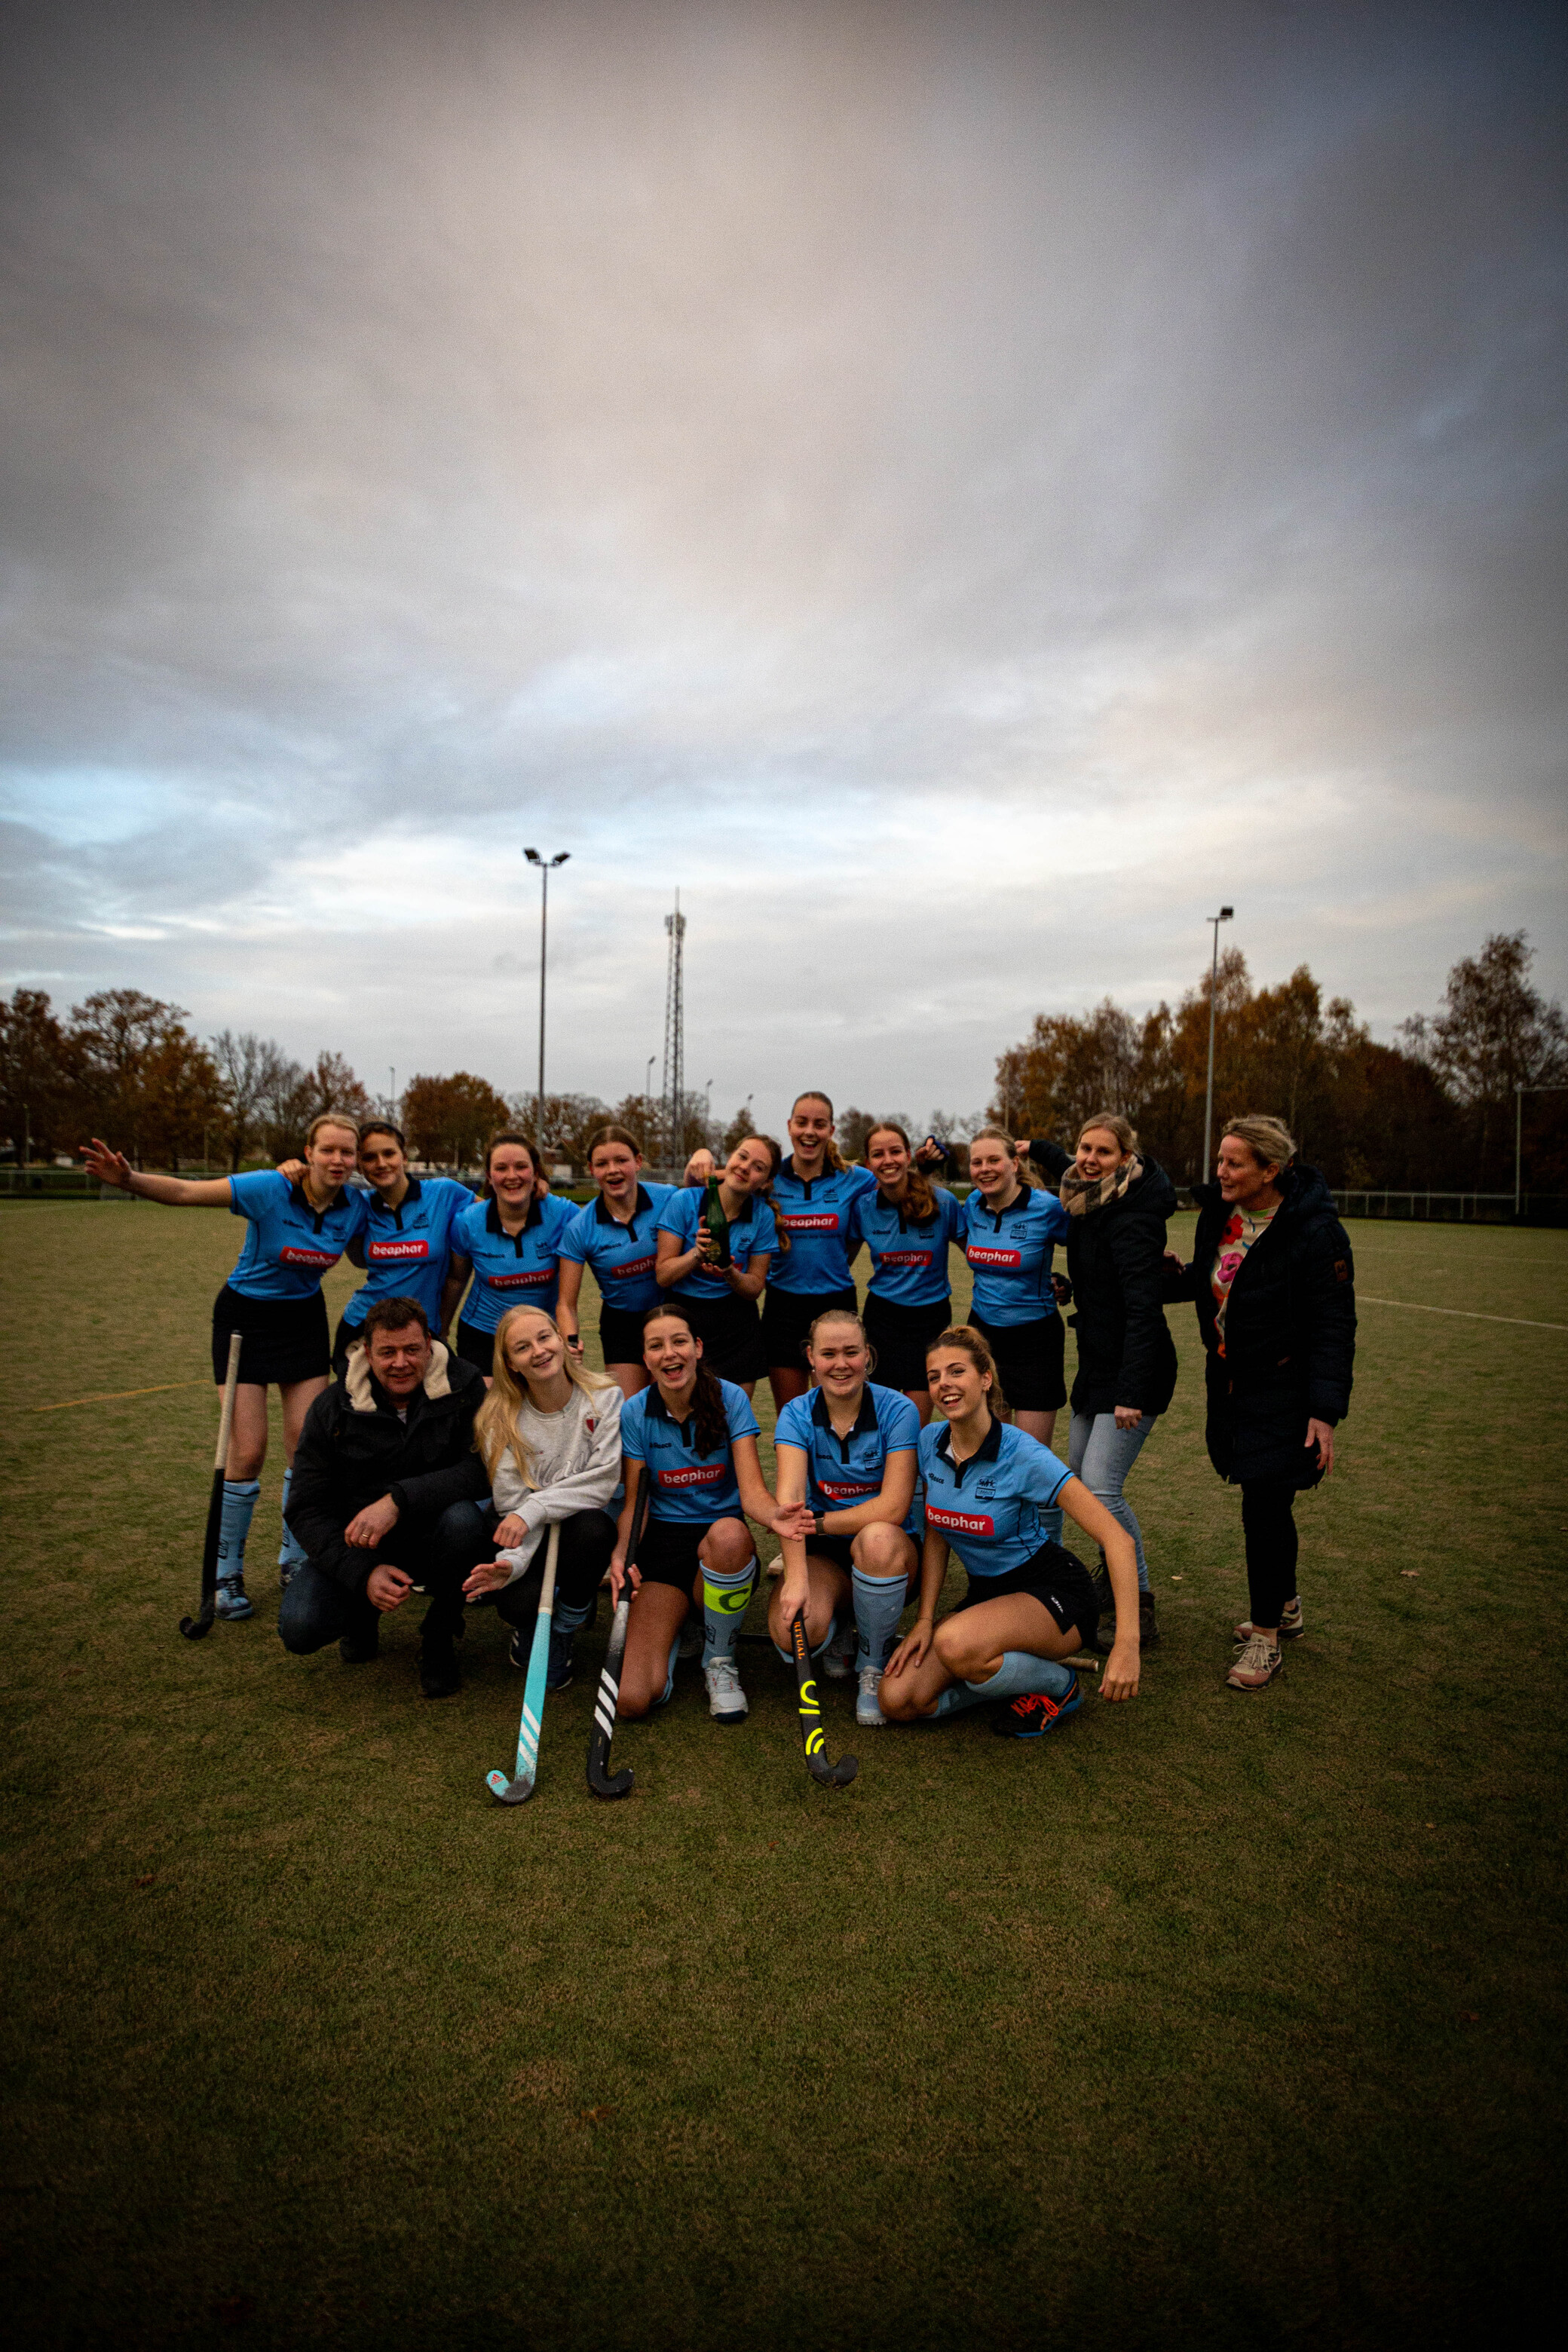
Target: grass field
1209 2021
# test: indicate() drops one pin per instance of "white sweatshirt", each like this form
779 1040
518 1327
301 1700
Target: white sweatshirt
576 1457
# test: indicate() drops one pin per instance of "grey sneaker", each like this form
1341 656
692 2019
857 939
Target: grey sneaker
867 1708
231 1603
1258 1664
1291 1624
838 1658
726 1699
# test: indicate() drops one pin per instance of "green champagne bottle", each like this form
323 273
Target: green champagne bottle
717 1223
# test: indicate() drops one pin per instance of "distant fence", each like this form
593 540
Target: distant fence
1445 1208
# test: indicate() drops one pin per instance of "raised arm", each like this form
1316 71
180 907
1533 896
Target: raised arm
175 1191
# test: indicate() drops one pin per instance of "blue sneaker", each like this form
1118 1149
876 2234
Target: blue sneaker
1033 1714
558 1671
231 1603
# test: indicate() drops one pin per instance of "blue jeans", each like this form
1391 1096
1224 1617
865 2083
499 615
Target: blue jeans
1102 1455
317 1609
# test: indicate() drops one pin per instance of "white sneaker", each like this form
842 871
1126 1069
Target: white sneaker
867 1710
838 1658
726 1699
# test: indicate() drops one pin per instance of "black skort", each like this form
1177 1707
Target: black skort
282 1340
668 1552
620 1334
1029 1358
730 1331
901 1336
477 1347
788 1318
1055 1577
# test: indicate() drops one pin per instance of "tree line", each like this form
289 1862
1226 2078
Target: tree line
1437 1110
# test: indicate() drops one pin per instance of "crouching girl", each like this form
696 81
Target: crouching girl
550 1435
1030 1604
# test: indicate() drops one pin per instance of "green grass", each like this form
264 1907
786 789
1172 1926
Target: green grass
1210 2021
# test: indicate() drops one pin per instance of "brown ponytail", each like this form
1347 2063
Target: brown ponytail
709 1424
766 1193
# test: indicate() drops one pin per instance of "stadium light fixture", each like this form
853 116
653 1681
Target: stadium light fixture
1223 916
545 865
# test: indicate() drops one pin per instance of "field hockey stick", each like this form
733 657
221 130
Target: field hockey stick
609 1693
193 1628
520 1787
832 1776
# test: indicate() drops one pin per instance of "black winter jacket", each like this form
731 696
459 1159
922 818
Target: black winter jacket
1289 1332
1116 1265
353 1450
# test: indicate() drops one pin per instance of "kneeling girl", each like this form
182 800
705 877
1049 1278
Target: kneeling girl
550 1435
846 1461
1030 1604
694 1438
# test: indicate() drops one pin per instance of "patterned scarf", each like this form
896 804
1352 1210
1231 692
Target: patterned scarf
1082 1195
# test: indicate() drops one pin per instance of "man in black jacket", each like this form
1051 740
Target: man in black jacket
387 1496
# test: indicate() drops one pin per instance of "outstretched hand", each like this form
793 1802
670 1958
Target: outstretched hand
489 1577
109 1167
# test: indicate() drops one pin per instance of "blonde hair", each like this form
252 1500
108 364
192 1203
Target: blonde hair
1027 1173
968 1341
333 1119
1269 1141
1113 1123
496 1429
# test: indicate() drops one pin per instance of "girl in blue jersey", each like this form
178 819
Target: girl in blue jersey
511 1239
405 1246
1029 1604
721 1301
297 1230
814 1196
1011 1224
695 1438
617 1235
846 1459
907 1225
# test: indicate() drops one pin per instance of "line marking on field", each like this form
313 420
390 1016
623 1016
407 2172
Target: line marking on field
112 1396
1468 1313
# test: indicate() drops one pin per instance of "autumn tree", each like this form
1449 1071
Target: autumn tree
1493 1034
449 1119
40 1091
146 1083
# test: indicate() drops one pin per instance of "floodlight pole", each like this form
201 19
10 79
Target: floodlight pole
1223 916
1519 1095
545 865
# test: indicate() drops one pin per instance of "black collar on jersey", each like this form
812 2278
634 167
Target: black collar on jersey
396 1215
905 1221
493 1224
604 1215
786 1168
1020 1202
318 1216
687 1427
987 1451
866 1419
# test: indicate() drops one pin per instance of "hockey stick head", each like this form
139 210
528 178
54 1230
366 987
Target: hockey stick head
830 1775
509 1793
833 1775
612 1784
193 1628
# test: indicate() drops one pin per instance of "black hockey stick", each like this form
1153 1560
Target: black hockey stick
608 1696
193 1628
832 1776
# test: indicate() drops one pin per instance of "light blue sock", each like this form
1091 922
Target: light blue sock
878 1605
291 1552
239 1496
1021 1671
788 1655
667 1693
570 1617
955 1698
725 1600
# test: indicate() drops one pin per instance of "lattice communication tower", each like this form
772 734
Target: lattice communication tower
674 1034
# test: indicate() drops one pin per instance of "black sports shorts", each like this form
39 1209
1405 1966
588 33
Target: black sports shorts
1055 1577
1028 1362
282 1340
901 1336
787 1318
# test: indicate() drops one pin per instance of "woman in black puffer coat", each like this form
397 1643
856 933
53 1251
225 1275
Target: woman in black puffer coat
1118 1204
1274 1283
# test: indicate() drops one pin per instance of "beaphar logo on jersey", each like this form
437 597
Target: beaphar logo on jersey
399 1249
633 1266
827 1223
841 1493
706 1477
980 1256
963 1523
288 1255
906 1257
529 1280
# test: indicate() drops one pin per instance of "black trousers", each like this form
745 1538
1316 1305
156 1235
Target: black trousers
1269 1525
587 1539
317 1609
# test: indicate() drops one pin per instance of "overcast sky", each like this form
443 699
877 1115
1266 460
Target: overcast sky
960 490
